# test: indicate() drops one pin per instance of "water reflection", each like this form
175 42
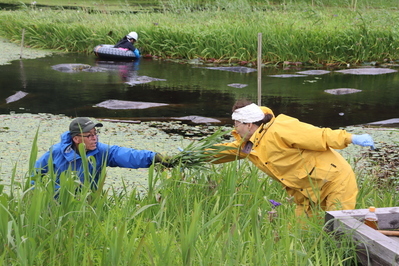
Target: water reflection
182 90
128 71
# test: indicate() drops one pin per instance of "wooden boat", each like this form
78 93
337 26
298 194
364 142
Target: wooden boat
108 52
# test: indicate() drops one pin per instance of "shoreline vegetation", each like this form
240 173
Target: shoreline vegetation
223 215
304 33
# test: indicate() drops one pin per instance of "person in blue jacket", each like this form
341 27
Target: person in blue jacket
128 41
65 154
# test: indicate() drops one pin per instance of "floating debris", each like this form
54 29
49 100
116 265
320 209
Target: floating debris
197 119
313 72
141 80
17 96
234 69
367 71
237 85
179 128
342 91
309 81
394 122
122 105
70 68
195 61
286 76
95 69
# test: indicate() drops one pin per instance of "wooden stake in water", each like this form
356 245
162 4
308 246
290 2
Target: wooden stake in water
259 69
22 42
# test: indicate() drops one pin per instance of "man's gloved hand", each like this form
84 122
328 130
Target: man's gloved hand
164 160
364 140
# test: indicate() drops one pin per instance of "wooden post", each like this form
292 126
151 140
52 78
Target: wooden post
22 42
259 69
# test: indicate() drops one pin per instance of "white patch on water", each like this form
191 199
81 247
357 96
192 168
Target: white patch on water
141 80
367 71
342 91
234 69
122 105
237 85
15 97
197 119
286 76
313 72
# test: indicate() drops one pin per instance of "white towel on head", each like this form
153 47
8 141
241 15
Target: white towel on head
248 114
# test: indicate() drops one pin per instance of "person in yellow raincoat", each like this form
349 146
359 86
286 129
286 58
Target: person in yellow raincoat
298 155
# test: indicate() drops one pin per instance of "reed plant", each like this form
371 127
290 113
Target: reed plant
229 214
299 32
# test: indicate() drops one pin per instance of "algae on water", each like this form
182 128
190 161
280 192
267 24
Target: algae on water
11 51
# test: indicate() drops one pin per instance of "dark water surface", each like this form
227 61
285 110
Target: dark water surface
192 90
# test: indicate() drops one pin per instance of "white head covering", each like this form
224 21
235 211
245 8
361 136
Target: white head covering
248 114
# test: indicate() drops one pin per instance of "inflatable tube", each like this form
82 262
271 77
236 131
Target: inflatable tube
107 51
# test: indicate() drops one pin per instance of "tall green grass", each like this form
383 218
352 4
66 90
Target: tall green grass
206 4
296 31
219 216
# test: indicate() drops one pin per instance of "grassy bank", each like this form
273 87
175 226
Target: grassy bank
218 216
190 219
296 32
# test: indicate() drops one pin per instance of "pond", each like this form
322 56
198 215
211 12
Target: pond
161 90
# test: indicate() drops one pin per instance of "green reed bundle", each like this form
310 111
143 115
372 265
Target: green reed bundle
198 153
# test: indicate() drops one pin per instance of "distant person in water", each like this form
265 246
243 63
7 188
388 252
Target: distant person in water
127 42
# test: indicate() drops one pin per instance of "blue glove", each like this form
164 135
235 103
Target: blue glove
137 53
363 140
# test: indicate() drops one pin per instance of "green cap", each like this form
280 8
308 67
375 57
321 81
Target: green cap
82 125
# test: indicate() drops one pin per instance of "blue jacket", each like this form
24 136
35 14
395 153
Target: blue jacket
64 156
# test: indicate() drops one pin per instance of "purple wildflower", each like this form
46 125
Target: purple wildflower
274 203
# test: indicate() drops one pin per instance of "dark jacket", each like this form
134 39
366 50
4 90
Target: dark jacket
124 43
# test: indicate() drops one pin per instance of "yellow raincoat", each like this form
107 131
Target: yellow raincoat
302 158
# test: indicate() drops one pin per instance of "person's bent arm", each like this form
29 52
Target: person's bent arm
229 155
296 134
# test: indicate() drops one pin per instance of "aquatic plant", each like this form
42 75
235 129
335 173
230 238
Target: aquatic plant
198 153
313 33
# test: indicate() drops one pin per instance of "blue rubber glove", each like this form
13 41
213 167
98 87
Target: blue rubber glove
137 53
364 140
